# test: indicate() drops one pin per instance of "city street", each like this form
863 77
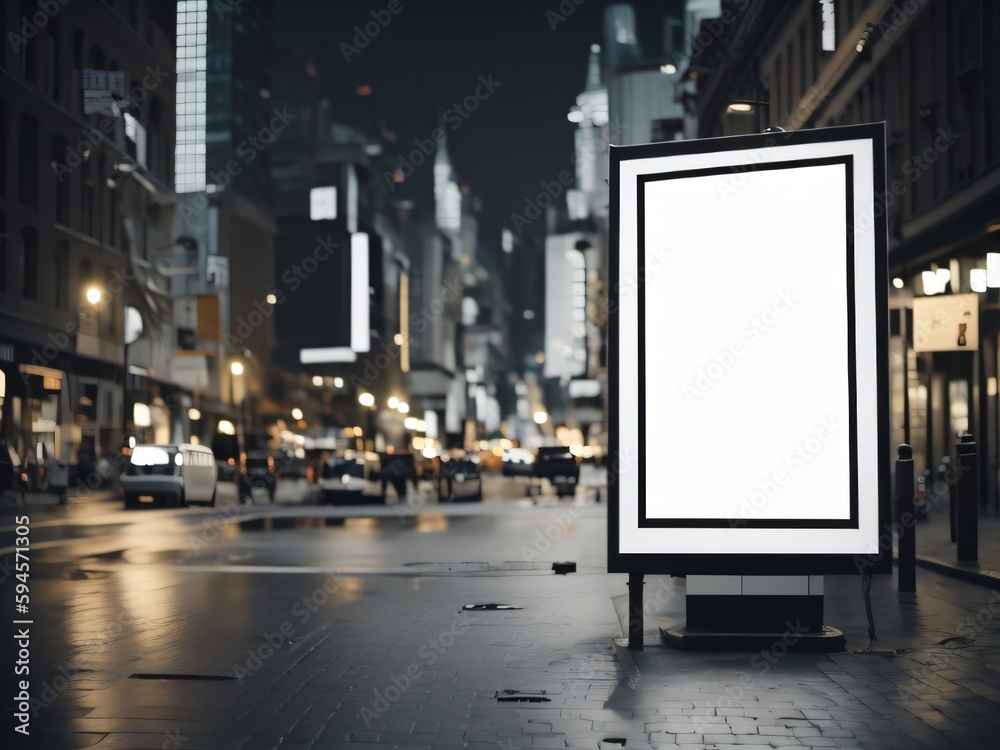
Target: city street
345 348
293 625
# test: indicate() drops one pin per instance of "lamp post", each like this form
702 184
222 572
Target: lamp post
367 400
236 370
131 331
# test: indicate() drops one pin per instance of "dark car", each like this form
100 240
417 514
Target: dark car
460 480
560 467
351 480
518 462
259 471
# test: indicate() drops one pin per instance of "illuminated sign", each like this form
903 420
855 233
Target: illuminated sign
946 323
748 355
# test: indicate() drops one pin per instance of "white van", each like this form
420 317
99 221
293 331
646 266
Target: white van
174 475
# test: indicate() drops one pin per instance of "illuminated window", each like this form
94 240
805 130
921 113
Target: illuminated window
189 151
829 28
323 203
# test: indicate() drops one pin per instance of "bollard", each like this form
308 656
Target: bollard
635 623
906 566
967 500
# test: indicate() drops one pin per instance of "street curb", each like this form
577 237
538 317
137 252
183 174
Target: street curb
979 576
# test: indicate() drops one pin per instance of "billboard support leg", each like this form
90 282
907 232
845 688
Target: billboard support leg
906 567
635 623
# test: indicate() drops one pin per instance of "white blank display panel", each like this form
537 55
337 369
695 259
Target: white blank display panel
763 330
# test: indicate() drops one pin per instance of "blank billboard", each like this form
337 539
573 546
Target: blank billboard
748 354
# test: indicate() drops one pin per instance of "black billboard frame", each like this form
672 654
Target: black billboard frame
714 563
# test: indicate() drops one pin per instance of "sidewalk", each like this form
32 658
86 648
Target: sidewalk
936 551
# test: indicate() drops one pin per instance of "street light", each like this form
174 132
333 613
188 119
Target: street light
236 370
131 331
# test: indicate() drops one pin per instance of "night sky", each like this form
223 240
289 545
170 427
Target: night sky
431 55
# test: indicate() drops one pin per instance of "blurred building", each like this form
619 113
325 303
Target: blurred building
630 96
221 274
931 71
485 334
370 293
331 266
86 210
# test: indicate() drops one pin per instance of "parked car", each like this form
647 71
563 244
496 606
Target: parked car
174 475
560 467
518 462
259 471
460 480
351 480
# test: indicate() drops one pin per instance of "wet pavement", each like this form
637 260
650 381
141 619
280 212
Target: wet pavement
291 626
